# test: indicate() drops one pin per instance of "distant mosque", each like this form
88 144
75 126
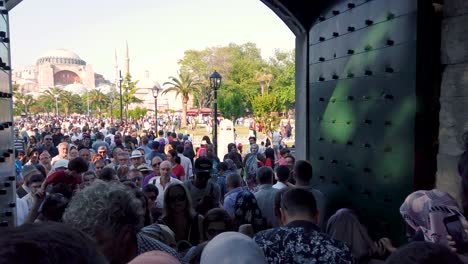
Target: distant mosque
64 69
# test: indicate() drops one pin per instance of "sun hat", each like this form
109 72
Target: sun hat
144 167
136 154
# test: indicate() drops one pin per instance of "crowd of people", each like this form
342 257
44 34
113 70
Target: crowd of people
121 194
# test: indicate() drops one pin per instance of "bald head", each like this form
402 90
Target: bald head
165 168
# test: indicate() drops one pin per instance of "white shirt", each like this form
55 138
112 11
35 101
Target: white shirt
279 185
187 164
157 182
29 201
21 211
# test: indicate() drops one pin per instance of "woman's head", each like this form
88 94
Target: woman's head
177 200
232 147
418 207
230 165
171 155
73 153
32 140
254 148
216 221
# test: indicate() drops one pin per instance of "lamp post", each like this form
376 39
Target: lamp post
215 83
56 104
156 89
121 102
87 100
112 94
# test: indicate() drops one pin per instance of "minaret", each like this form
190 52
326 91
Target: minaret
127 61
116 69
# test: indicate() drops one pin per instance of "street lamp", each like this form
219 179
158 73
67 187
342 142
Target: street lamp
215 83
156 89
112 95
87 100
121 102
56 104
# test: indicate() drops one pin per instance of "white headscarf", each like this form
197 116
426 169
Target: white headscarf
232 248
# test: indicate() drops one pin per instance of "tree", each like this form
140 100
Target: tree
265 108
129 90
230 102
137 113
48 97
282 66
97 100
184 85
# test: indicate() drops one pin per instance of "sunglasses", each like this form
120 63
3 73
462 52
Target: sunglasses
47 139
136 179
155 164
214 232
177 198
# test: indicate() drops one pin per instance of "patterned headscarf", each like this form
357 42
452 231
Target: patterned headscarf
247 211
230 164
418 207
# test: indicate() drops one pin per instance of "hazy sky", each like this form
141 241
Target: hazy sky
158 31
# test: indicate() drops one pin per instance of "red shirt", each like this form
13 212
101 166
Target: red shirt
61 177
269 163
178 171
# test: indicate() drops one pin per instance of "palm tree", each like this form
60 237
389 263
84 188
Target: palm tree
49 95
264 79
185 85
98 99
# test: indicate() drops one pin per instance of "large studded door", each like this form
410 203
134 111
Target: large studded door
362 107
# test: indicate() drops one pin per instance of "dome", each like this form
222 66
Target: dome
147 83
76 88
61 56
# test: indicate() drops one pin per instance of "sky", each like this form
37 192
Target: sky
158 31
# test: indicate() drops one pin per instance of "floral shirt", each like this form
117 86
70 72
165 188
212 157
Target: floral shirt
301 242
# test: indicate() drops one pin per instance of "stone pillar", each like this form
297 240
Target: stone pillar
454 94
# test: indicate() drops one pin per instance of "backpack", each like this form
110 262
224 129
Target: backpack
207 202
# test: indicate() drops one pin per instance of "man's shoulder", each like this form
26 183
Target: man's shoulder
174 180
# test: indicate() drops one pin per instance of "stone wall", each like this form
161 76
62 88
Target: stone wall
454 94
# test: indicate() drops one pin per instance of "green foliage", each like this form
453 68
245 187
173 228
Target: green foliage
98 100
22 103
244 71
183 85
137 112
129 90
265 109
230 102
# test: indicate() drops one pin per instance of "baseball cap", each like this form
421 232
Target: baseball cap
136 154
203 164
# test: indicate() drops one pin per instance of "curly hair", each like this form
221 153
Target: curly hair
108 205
